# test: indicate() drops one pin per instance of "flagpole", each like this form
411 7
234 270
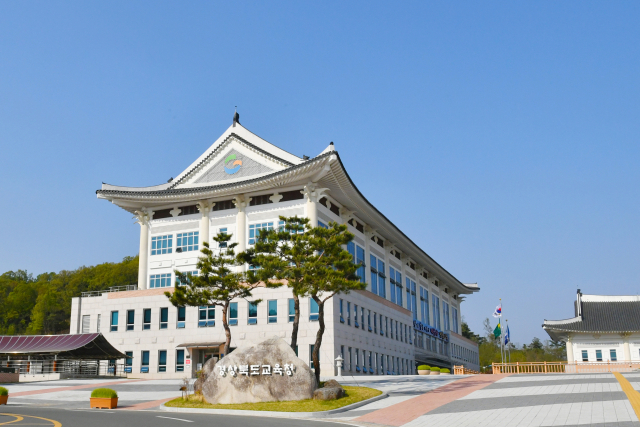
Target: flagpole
501 333
508 348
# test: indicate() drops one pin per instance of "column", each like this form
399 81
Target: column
569 341
241 203
204 207
143 217
627 350
312 194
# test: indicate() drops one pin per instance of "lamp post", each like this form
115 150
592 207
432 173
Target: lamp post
339 361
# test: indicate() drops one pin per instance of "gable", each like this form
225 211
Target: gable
234 165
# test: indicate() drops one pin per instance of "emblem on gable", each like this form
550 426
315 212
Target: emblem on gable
233 164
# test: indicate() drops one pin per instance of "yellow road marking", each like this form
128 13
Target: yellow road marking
21 417
632 394
18 418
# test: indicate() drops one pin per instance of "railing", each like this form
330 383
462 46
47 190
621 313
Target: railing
66 368
461 370
111 289
563 367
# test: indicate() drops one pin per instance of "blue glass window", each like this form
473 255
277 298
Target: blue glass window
161 244
292 310
373 265
424 306
341 312
146 319
253 314
360 260
180 361
313 309
186 242
254 230
130 319
206 316
160 280
114 321
392 286
233 314
162 361
272 306
322 224
182 317
382 289
223 244
435 306
164 318
144 362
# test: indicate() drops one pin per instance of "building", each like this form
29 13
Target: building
410 312
605 328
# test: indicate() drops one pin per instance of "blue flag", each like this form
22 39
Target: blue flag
507 337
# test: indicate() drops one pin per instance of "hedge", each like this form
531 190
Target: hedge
423 368
435 368
105 393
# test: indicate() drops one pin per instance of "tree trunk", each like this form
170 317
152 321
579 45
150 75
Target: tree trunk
227 330
316 347
296 322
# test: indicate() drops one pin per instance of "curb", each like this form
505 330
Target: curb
274 414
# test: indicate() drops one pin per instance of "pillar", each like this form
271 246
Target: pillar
204 207
241 203
627 350
312 195
143 217
570 358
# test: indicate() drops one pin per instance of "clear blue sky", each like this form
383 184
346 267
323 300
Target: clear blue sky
501 137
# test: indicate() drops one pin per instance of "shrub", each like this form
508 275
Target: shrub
445 371
105 393
4 391
423 368
435 368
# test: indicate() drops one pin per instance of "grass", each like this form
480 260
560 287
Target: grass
352 395
4 391
104 393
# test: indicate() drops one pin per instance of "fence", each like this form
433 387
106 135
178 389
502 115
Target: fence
563 367
461 370
122 288
66 368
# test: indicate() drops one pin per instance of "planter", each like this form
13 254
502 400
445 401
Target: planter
435 373
445 373
3 400
423 372
104 402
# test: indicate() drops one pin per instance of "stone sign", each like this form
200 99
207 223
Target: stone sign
264 372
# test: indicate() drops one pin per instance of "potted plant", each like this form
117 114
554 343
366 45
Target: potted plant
104 398
423 370
445 371
4 396
435 370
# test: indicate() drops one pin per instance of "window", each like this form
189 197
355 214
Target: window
311 347
360 260
614 356
323 225
162 361
455 320
381 328
399 288
382 287
130 319
599 355
445 316
350 360
392 284
348 313
187 242
189 274
98 326
424 306
341 313
233 314
362 317
411 297
144 362
357 360
86 323
146 319
164 318
386 327
254 230
160 280
435 306
114 321
161 245
369 321
313 310
375 323
355 316
272 306
292 310
182 317
207 316
300 231
180 361
253 314
373 266
128 362
397 337
222 245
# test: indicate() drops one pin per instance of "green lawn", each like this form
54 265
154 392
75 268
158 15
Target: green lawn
353 395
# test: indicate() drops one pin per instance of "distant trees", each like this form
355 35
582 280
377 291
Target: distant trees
42 305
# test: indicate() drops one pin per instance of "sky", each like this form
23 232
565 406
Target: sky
501 137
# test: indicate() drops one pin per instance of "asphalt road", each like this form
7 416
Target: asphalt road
58 417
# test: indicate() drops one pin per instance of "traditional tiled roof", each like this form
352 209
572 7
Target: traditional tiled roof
600 314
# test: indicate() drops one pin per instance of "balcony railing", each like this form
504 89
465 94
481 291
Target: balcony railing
111 289
563 367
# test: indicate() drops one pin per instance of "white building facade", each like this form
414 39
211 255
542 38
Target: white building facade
409 313
605 329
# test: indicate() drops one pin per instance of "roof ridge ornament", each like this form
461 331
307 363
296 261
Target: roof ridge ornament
236 117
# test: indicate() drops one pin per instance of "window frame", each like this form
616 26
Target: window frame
272 318
208 321
131 320
162 245
313 316
146 325
162 367
192 241
113 326
233 321
164 324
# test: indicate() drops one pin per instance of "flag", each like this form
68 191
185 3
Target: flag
498 312
497 331
507 337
